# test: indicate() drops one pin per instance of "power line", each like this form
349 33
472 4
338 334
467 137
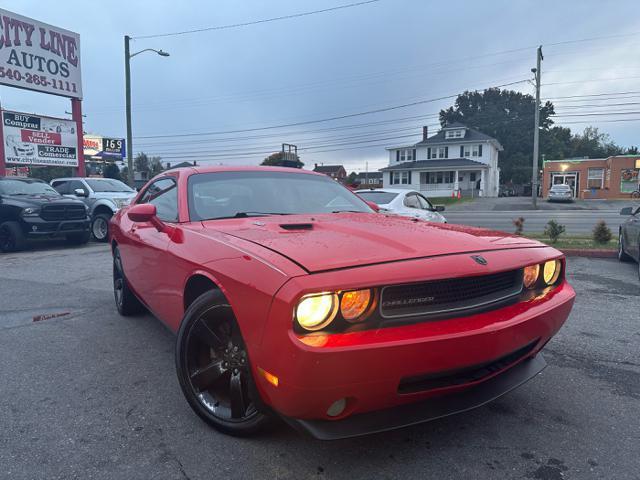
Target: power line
255 22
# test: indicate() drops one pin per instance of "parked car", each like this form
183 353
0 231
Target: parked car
407 203
103 196
629 236
560 193
30 208
290 296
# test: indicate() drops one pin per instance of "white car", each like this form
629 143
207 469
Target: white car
407 203
560 193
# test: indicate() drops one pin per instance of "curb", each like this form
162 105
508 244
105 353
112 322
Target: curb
593 253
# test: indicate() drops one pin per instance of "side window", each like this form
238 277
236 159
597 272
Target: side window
424 203
61 186
411 201
163 194
74 184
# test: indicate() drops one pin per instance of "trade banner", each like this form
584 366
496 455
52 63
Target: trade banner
37 140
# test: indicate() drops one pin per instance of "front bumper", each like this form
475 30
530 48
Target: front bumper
371 368
424 411
36 227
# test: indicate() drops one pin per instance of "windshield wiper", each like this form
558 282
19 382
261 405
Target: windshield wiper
251 214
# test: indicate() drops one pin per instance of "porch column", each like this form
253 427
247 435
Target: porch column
456 185
483 186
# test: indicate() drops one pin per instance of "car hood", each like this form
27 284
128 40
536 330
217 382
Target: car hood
39 200
333 241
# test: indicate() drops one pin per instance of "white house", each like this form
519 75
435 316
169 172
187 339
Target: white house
457 158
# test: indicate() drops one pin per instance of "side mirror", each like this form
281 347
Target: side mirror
374 206
79 192
626 211
146 212
438 208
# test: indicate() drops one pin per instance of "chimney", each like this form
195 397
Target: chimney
425 132
316 165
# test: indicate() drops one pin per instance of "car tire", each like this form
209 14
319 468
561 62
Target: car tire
213 368
79 238
12 239
622 255
126 302
100 227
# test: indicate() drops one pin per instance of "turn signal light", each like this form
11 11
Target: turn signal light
354 304
531 275
270 377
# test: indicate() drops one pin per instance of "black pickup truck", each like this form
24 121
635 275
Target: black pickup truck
30 208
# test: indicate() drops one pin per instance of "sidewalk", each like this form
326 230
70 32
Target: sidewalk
509 204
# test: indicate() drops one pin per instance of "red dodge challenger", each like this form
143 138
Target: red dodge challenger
292 297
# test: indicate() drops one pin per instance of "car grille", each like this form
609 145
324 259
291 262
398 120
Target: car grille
466 375
53 213
440 297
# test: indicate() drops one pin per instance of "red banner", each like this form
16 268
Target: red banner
46 138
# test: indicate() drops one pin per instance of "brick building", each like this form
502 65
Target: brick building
612 177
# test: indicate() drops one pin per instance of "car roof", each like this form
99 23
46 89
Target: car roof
23 179
386 190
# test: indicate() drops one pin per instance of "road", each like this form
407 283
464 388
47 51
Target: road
575 221
86 394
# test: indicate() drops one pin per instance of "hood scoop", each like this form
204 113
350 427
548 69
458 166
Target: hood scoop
296 226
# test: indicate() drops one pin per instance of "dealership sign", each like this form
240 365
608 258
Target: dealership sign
37 140
38 56
104 147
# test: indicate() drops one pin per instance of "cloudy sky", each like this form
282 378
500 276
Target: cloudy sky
219 93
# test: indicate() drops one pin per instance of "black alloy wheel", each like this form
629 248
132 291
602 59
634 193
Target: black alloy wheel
126 302
11 237
622 255
213 367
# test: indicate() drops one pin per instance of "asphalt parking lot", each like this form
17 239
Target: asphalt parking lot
87 394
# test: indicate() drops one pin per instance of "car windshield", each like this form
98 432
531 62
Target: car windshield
379 198
252 193
26 187
108 185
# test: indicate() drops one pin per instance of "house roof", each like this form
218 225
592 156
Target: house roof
429 164
328 168
470 136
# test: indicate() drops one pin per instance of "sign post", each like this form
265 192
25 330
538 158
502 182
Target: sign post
43 58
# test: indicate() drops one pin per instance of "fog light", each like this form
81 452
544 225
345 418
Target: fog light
337 407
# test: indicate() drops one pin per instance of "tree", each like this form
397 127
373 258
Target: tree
111 170
141 162
507 116
277 160
351 178
155 166
591 143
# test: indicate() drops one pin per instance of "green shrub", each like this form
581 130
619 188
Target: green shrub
519 224
602 233
553 230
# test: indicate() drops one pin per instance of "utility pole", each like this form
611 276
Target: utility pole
536 131
127 79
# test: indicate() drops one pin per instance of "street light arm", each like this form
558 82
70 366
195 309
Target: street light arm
159 52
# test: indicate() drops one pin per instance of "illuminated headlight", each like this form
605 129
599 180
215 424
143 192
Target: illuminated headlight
30 212
531 275
551 271
354 304
316 311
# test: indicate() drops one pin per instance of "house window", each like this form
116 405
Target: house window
472 176
441 177
475 151
595 178
400 178
467 151
373 180
454 134
442 152
406 155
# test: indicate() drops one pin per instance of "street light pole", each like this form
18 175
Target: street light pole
127 80
536 132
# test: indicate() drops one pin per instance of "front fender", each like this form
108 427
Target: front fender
102 203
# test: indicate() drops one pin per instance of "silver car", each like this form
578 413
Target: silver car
103 196
629 236
560 193
407 203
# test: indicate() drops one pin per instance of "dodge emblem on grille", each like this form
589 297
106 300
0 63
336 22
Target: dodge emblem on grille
479 259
